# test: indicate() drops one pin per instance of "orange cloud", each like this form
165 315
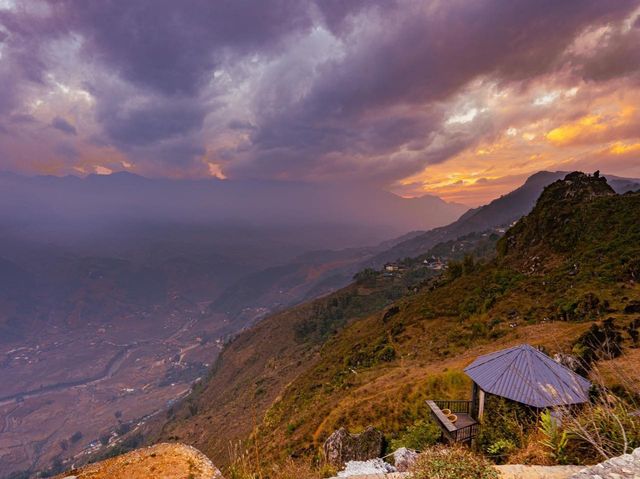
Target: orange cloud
582 129
619 148
597 127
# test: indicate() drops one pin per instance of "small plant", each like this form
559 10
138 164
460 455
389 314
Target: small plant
240 465
418 436
556 440
501 448
452 463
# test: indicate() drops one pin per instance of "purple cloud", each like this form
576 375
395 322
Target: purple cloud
64 126
296 88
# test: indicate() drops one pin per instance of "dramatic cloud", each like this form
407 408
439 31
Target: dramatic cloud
460 98
64 126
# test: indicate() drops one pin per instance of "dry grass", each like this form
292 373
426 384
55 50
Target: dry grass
245 464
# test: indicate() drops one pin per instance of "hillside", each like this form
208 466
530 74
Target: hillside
320 272
299 375
500 212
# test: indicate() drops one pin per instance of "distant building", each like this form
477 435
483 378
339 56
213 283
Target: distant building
434 263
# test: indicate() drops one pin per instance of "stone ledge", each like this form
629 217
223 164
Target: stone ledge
510 471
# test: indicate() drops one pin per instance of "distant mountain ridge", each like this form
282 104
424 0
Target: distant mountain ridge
502 211
129 197
318 273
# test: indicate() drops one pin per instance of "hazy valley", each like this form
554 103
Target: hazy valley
113 313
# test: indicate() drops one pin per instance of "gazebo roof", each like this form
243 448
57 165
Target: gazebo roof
526 375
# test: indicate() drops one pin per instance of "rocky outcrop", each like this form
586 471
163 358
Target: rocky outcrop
626 466
167 461
342 447
569 361
404 459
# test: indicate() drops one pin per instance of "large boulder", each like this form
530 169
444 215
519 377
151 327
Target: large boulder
342 447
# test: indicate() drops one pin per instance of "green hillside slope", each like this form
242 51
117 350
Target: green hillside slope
351 359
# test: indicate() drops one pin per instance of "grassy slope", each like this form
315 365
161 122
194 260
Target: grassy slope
253 369
299 388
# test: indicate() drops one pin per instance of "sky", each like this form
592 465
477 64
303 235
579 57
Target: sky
458 98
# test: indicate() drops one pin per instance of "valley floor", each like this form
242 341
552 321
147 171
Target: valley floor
59 399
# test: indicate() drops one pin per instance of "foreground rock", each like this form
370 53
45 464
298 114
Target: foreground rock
162 461
626 466
404 459
342 447
365 468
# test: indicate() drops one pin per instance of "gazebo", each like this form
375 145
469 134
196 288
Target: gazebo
523 374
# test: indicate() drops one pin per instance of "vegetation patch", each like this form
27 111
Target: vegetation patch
452 463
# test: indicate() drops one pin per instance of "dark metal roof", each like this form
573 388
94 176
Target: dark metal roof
527 375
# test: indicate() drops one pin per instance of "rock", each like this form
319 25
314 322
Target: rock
626 466
167 461
342 447
362 468
404 459
568 360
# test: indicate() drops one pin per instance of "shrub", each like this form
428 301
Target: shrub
605 429
367 276
452 463
556 439
506 431
599 342
390 313
418 436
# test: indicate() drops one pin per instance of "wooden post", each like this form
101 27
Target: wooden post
480 404
473 410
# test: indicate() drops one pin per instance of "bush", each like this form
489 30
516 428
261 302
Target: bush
452 463
599 342
604 430
507 430
418 437
556 439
